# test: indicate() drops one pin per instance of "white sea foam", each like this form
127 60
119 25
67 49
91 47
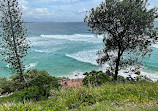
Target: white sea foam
155 45
76 37
85 56
74 75
152 75
39 41
45 51
31 65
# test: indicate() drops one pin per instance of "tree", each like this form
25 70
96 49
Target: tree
14 44
128 29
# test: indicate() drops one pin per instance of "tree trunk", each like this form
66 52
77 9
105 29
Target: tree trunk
117 66
22 78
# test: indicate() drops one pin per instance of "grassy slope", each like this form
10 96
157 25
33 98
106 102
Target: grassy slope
132 97
119 106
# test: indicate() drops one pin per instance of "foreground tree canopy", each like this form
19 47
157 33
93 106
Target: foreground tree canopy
14 44
127 26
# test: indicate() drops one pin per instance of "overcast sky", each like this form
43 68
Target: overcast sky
60 10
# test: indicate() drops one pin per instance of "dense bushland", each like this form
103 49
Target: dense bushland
39 84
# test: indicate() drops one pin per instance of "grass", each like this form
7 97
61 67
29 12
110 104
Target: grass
15 97
115 106
130 97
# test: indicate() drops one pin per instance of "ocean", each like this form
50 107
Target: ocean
67 49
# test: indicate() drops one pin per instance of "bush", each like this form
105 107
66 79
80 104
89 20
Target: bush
121 79
39 84
45 82
31 93
95 78
141 78
5 86
16 82
31 74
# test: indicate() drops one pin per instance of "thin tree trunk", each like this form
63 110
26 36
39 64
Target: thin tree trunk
117 66
22 78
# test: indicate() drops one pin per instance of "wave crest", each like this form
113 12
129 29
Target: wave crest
85 56
76 37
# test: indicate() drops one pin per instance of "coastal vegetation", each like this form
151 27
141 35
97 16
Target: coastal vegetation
108 96
39 85
98 92
129 27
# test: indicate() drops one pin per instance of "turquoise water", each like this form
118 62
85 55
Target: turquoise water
65 49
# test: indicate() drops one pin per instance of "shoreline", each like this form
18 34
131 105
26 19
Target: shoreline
153 75
124 72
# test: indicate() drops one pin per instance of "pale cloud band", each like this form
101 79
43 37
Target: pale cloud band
59 10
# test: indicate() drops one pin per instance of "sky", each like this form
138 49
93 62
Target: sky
60 10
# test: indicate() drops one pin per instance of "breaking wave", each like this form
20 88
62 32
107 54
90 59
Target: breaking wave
85 56
76 37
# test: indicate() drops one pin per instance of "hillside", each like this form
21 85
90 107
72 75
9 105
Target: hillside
141 96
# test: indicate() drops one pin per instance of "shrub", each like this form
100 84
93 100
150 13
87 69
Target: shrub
45 82
17 85
31 74
31 93
5 86
34 77
121 79
39 84
95 78
141 78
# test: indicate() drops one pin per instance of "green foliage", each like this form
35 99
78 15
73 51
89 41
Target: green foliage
16 82
121 79
127 26
45 82
15 97
31 93
39 84
80 97
32 73
107 96
95 78
5 86
118 106
141 78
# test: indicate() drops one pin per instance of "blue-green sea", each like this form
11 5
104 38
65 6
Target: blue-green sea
66 49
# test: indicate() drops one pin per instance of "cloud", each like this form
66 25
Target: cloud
34 12
60 10
40 13
23 4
